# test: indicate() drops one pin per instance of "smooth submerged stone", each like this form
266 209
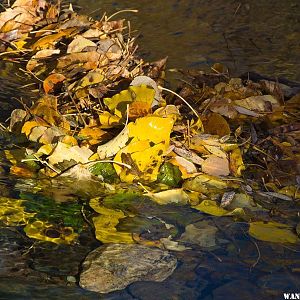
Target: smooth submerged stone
114 267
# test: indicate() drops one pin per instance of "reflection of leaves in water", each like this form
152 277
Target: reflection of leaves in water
45 231
45 208
12 212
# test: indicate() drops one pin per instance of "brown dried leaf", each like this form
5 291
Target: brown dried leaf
216 166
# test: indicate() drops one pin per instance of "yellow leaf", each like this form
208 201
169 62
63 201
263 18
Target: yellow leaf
108 120
118 103
273 232
49 40
154 129
28 126
143 158
236 163
211 207
45 149
92 134
217 124
93 77
170 196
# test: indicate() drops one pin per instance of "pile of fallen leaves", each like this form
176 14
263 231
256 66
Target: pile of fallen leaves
216 144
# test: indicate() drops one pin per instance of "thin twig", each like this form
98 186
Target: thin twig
174 93
122 11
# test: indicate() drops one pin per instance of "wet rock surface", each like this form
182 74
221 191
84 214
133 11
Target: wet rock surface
116 266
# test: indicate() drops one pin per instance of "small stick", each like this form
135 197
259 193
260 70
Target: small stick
121 11
174 93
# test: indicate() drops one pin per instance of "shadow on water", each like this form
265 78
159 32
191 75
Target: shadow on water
254 35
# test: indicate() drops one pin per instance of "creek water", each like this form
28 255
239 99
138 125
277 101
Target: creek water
261 36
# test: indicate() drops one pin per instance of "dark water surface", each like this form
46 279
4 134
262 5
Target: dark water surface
245 35
263 36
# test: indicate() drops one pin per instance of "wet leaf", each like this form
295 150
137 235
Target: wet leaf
273 232
177 196
104 170
201 233
169 175
211 207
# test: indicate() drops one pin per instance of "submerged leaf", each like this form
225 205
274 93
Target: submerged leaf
273 232
211 207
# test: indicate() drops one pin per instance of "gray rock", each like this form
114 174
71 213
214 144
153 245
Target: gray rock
114 267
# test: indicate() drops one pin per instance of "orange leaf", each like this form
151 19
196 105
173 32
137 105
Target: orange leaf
20 171
51 81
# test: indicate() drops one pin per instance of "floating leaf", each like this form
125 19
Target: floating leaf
273 232
201 233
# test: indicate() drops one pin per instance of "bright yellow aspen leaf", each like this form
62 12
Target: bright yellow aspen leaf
143 159
118 103
152 128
